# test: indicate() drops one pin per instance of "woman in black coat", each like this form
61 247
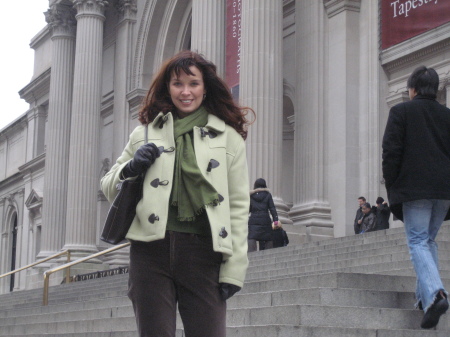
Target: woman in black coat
260 223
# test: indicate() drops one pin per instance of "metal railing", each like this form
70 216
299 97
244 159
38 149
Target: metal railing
42 261
73 263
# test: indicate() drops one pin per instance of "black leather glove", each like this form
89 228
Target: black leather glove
227 290
144 157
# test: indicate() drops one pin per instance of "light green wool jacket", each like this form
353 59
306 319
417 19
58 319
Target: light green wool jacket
220 143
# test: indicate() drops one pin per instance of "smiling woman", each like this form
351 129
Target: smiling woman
187 90
16 66
189 236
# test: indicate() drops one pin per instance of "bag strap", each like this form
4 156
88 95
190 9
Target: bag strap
146 133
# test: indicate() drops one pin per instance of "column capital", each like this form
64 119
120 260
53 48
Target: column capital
127 9
61 17
334 7
90 7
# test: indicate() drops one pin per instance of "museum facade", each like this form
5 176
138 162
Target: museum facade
320 75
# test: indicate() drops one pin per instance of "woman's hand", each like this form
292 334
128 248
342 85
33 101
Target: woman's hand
144 157
227 290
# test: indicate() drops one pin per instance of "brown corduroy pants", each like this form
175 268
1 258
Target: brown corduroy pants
182 268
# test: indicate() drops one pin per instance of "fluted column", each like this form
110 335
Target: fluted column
343 111
122 73
208 31
311 209
84 164
447 94
61 17
261 88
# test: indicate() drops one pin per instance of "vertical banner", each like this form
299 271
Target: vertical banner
233 46
404 19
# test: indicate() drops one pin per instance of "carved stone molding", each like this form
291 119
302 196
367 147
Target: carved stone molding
90 7
61 17
334 7
127 9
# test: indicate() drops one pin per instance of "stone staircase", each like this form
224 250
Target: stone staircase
353 286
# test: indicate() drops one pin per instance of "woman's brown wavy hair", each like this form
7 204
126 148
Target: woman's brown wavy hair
218 101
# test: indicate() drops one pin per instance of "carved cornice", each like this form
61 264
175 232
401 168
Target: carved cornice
90 7
397 98
408 59
61 17
34 164
334 7
37 88
127 9
135 99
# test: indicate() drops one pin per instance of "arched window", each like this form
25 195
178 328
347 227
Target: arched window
13 249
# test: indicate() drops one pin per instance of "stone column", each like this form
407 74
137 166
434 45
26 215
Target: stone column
62 19
84 163
311 210
343 112
208 31
447 94
261 88
122 73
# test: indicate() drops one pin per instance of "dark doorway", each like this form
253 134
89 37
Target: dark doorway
13 252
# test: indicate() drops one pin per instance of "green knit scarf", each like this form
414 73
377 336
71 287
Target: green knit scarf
191 191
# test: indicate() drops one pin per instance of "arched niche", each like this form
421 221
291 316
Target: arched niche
165 28
9 247
288 146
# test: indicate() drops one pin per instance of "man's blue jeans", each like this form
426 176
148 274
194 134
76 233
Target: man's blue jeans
422 219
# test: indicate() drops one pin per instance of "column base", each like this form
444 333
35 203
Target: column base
283 211
311 222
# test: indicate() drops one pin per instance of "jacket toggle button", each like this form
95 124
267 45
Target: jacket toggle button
156 182
163 150
223 233
212 164
153 217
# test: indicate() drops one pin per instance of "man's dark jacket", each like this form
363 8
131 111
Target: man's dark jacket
383 213
359 216
416 153
259 223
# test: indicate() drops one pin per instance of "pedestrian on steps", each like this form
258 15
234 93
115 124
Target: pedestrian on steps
259 222
416 170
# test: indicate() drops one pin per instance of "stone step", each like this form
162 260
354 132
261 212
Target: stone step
377 264
335 280
391 246
366 238
298 315
115 306
348 246
286 330
279 331
325 296
316 315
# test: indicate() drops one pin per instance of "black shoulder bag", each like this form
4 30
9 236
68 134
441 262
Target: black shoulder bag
123 209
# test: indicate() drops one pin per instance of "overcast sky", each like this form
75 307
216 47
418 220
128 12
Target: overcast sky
21 21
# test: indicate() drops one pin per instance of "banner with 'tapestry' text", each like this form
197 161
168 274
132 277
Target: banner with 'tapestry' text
404 19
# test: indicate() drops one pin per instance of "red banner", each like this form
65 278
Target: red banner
403 19
233 45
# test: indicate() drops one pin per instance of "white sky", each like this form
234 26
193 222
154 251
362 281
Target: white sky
20 22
